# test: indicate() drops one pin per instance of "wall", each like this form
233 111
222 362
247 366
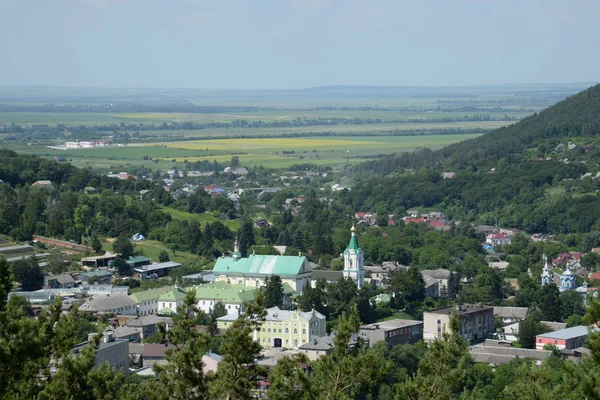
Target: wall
60 243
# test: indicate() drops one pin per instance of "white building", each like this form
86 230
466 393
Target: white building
354 260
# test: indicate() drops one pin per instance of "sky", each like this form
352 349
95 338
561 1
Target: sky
287 44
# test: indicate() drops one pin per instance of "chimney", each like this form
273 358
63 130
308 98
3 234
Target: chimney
108 336
376 326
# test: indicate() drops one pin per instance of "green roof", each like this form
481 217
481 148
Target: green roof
138 259
149 294
173 295
353 244
261 265
225 292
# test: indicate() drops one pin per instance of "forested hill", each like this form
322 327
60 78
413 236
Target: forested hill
530 175
575 118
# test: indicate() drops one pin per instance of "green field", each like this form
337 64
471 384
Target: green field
268 152
52 118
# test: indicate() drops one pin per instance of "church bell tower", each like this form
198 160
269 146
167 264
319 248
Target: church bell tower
353 260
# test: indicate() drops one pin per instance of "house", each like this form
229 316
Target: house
146 325
240 171
323 346
441 275
211 361
100 276
283 328
261 223
380 274
90 190
109 303
155 354
62 281
393 332
432 287
498 239
147 300
509 315
156 270
327 275
476 322
41 183
448 175
233 296
169 301
251 271
98 261
113 351
501 265
135 354
126 333
565 339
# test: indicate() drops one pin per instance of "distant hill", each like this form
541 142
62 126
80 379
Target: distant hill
528 175
577 117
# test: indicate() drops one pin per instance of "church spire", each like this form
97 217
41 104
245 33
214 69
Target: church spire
236 250
546 274
354 259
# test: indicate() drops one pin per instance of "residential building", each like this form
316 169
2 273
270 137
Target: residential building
61 281
565 339
354 260
475 322
126 333
393 332
211 361
498 239
155 354
283 328
323 345
251 271
509 315
156 270
98 261
100 276
147 300
169 301
327 275
233 296
380 274
441 275
146 325
109 303
113 351
432 287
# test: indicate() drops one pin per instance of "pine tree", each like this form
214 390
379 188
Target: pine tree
273 291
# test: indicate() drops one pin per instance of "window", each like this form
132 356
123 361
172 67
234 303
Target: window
269 329
279 330
304 331
287 331
296 331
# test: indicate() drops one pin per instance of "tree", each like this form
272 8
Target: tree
238 372
290 380
122 245
549 303
163 256
235 161
273 291
96 244
183 375
407 287
530 328
121 266
245 237
5 282
219 310
347 370
571 303
28 273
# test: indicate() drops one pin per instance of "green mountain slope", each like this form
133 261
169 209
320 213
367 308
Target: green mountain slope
501 177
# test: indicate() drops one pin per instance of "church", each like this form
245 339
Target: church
295 271
567 280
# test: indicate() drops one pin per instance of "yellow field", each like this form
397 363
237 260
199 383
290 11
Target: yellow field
263 143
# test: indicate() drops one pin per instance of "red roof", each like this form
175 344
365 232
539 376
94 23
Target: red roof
415 220
595 276
359 214
391 222
437 224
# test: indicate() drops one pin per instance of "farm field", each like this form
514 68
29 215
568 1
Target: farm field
267 152
56 118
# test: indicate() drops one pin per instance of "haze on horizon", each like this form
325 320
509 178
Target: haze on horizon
278 44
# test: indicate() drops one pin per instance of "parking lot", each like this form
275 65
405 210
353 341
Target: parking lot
271 356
